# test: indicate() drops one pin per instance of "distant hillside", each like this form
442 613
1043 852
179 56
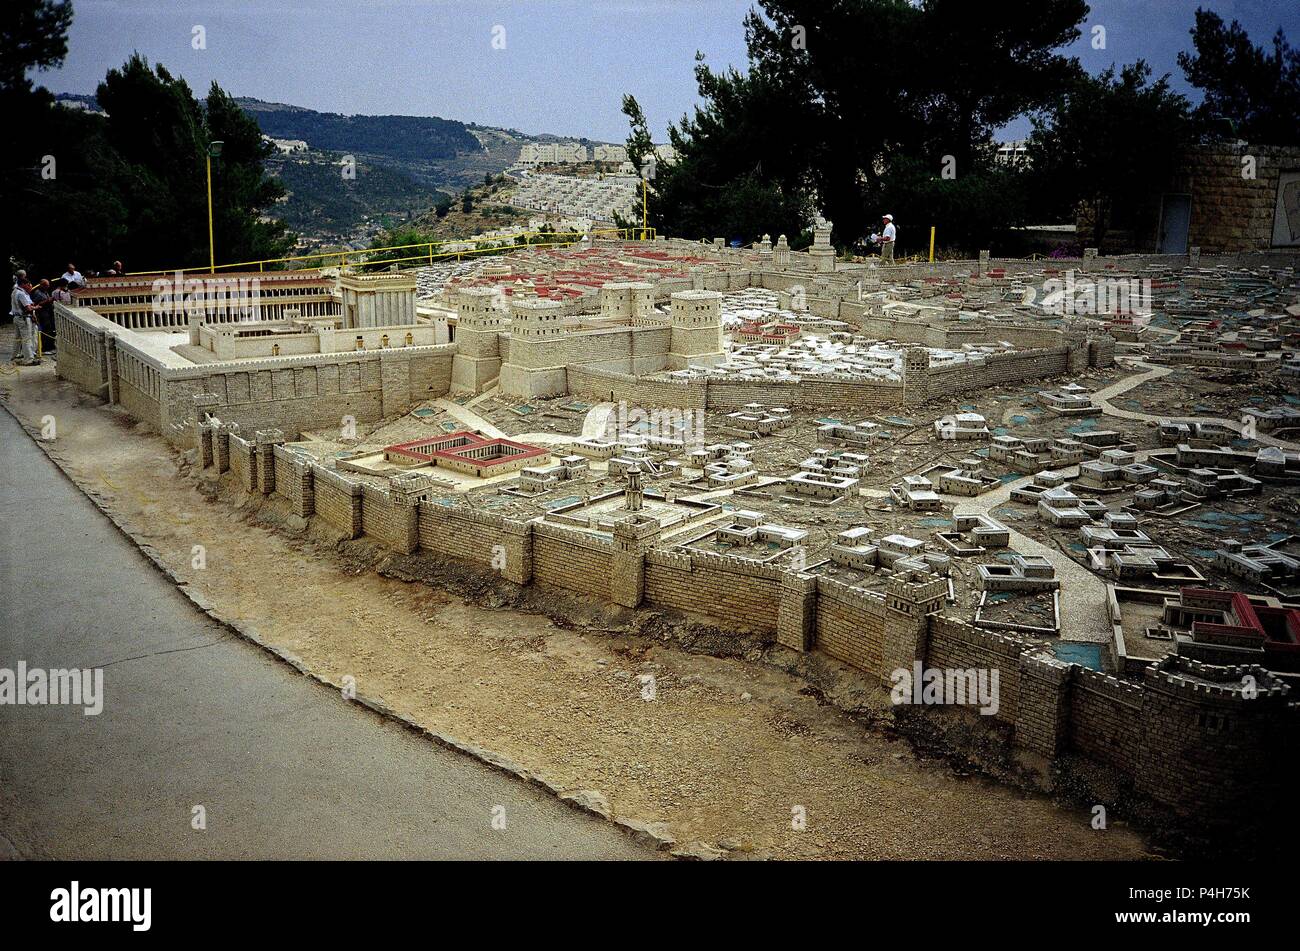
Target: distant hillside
323 206
405 165
86 101
406 138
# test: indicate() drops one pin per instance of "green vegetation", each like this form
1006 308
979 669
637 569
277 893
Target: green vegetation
1254 91
854 108
404 241
409 138
130 186
320 201
1105 140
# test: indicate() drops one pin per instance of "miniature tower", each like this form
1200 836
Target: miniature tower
386 299
536 320
537 364
916 375
627 300
1212 737
405 490
822 253
634 493
643 304
696 329
907 627
634 534
781 254
478 324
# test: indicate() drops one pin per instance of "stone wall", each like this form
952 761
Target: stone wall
1207 748
293 480
729 590
82 359
338 502
576 561
850 625
829 393
1105 718
243 463
389 521
292 393
317 394
460 532
1198 747
613 386
1232 211
954 644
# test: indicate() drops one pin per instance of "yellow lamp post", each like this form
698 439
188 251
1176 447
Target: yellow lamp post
214 151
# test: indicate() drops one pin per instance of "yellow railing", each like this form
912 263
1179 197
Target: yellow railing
427 252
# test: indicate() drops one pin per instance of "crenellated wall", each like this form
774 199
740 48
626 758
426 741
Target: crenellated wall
292 393
831 393
1191 737
719 586
850 624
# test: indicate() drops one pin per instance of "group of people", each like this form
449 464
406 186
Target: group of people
31 305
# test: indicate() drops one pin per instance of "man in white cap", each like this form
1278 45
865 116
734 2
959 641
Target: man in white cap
886 239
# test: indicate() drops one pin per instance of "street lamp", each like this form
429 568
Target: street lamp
214 151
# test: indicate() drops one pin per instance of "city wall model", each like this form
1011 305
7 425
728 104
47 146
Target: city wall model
1190 736
363 353
308 374
1201 741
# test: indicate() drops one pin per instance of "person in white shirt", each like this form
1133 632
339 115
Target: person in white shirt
21 309
72 277
886 239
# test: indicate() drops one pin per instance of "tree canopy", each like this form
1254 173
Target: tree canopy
1104 141
130 185
855 107
1257 90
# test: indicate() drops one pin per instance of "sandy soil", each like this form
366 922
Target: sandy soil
723 754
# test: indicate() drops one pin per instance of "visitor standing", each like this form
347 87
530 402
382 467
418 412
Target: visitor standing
72 277
44 314
886 239
21 309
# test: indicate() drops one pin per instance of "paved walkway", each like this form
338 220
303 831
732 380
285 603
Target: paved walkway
194 716
1083 593
1104 398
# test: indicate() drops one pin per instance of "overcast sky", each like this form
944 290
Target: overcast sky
564 68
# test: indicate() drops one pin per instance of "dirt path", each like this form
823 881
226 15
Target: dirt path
723 754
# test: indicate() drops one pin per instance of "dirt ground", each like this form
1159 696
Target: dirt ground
724 753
